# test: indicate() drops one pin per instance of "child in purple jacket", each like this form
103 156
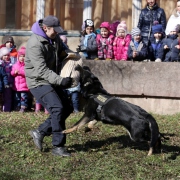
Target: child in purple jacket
7 93
4 84
20 86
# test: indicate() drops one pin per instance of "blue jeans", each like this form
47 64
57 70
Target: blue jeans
59 107
21 98
74 96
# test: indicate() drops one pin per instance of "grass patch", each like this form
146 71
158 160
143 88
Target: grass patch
102 154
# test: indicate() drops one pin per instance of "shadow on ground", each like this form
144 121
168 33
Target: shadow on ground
123 142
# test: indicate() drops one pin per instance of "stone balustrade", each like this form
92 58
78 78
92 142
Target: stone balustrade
152 85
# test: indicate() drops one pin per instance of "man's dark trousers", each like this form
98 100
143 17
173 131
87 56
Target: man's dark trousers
59 108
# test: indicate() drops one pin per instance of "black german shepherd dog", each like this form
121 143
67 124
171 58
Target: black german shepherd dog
102 106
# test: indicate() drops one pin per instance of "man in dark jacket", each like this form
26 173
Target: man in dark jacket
149 16
42 67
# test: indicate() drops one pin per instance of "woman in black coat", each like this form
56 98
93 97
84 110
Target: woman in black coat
149 16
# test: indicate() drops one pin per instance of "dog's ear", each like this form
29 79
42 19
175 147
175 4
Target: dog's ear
93 77
86 68
79 68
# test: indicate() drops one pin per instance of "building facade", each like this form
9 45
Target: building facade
21 14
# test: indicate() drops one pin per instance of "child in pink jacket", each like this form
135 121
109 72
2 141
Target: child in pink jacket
105 42
20 86
121 42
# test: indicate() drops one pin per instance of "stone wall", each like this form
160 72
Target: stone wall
153 86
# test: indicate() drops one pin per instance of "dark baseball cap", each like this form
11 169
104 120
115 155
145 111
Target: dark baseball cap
52 21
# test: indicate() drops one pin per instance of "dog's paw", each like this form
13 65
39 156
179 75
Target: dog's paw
64 132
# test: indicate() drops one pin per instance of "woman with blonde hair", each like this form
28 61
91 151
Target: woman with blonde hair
150 15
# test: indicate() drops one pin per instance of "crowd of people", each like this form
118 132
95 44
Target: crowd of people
151 40
45 68
15 94
14 90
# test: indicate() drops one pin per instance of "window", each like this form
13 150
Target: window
10 14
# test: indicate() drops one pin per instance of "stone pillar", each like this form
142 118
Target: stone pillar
87 11
136 9
40 9
2 14
98 11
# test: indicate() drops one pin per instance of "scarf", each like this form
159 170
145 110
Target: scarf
11 49
136 44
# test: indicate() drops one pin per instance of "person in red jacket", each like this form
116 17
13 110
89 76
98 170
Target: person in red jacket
8 42
20 85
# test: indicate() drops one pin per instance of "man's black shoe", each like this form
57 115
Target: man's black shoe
37 137
60 151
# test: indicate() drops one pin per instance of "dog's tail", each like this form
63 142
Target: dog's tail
155 134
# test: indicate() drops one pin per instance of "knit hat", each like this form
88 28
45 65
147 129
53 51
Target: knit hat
157 29
8 39
4 51
135 32
174 28
122 26
105 25
113 26
22 51
87 23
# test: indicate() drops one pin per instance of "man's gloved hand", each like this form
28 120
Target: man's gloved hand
78 49
66 82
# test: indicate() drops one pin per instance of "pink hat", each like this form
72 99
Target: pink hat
122 26
4 51
22 51
105 25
